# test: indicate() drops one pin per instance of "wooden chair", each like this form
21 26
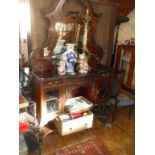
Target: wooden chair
125 58
116 90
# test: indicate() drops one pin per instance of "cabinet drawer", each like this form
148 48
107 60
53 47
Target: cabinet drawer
74 125
81 80
53 83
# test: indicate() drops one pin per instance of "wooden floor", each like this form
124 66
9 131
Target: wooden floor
119 139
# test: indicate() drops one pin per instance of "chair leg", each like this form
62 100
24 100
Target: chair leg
101 111
114 110
130 111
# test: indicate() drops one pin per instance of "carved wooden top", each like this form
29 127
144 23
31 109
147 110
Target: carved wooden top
67 15
70 13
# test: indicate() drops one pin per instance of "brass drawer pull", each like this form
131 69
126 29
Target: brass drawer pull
53 82
56 82
50 83
106 75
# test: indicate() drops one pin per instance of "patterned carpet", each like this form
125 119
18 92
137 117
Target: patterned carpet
91 146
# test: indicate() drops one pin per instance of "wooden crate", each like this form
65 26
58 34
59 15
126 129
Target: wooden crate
74 125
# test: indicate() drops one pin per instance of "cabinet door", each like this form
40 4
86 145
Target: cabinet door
52 101
89 91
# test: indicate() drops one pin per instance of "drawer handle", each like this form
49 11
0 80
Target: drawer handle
56 82
105 75
49 83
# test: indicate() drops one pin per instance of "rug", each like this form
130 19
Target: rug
90 146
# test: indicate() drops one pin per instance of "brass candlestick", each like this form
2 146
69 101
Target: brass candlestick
86 19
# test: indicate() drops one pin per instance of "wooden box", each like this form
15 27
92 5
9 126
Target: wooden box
74 125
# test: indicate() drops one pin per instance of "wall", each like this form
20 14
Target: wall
127 30
105 29
38 22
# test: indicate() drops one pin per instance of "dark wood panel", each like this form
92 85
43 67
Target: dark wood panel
124 7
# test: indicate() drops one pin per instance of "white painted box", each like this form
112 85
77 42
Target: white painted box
74 125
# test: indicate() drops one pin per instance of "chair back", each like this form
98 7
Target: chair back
117 82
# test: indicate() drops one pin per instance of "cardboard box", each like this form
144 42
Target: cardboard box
23 102
78 104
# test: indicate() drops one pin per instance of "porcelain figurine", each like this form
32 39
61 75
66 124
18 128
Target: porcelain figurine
83 64
62 67
46 52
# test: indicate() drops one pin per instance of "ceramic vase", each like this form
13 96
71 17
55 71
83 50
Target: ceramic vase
59 45
70 57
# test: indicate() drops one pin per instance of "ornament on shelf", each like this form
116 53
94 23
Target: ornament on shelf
59 45
46 52
83 64
62 67
70 58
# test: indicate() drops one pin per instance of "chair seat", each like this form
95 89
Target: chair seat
123 100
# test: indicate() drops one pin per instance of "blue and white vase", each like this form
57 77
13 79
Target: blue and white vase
70 57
